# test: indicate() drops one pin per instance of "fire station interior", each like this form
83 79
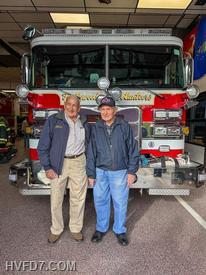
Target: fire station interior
166 222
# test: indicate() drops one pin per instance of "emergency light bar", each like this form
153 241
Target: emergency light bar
112 32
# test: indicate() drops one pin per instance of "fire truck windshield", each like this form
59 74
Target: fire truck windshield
128 65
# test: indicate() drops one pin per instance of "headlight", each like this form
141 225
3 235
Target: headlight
22 90
99 98
167 114
39 114
51 112
174 131
160 114
103 83
193 91
44 113
160 131
116 93
175 114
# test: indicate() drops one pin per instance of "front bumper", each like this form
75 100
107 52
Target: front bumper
158 179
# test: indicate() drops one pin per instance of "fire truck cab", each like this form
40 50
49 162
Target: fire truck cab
143 70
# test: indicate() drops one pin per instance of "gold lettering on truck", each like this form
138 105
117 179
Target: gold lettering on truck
137 96
142 98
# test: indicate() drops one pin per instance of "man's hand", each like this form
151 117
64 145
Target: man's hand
50 174
91 182
131 179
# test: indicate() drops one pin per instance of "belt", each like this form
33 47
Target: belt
73 157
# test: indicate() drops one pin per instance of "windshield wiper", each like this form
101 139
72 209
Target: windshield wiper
142 87
150 91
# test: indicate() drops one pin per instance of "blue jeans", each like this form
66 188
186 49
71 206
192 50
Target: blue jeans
111 184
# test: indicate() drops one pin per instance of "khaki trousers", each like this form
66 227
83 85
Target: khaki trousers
73 173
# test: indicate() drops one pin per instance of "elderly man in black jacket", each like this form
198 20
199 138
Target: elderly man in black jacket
112 163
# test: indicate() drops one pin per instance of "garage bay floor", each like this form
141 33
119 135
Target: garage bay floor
164 237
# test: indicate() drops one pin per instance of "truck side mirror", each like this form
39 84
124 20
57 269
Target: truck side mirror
25 71
189 70
29 33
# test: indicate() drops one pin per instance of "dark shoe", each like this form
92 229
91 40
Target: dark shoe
77 236
97 236
122 239
53 238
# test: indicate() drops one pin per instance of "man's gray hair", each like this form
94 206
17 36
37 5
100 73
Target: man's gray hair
72 96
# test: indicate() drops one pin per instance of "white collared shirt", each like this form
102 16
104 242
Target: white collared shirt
76 139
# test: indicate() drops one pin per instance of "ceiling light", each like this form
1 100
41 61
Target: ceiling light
78 27
163 4
70 18
8 91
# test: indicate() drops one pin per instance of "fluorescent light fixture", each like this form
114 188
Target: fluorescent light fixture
70 18
163 4
8 91
78 27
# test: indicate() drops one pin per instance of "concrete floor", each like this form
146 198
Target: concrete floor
164 237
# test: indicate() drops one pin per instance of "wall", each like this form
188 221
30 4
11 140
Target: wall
201 83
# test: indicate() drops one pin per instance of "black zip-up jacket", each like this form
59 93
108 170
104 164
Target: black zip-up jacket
115 152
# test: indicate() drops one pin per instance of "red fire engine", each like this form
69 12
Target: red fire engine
143 69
